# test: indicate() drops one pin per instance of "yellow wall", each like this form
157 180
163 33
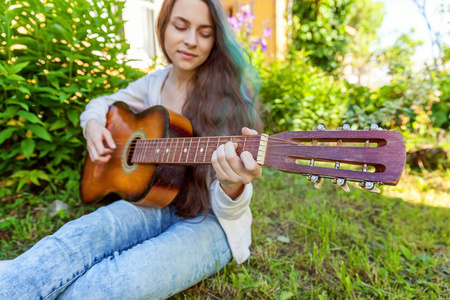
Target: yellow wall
267 13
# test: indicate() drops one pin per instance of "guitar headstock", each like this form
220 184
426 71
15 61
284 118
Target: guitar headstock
370 157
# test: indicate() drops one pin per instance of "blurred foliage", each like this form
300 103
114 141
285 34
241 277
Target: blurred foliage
54 57
328 29
399 57
309 88
299 96
415 102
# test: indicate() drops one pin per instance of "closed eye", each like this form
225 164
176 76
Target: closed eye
205 35
179 28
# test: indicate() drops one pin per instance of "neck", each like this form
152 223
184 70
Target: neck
179 78
189 151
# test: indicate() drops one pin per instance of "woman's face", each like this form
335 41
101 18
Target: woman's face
189 36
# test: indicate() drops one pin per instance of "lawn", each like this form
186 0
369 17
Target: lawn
307 243
328 244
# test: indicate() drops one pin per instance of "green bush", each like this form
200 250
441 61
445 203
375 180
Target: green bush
408 103
54 57
441 108
299 96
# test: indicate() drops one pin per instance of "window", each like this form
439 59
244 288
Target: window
140 18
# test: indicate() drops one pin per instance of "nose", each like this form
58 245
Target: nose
191 38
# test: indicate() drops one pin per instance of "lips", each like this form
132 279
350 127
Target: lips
186 54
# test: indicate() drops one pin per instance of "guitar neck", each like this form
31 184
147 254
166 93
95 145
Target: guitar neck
190 151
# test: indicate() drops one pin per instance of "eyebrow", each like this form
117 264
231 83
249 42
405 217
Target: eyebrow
188 22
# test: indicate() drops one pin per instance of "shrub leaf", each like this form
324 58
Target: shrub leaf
40 132
27 146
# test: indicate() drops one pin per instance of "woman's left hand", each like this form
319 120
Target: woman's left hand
232 171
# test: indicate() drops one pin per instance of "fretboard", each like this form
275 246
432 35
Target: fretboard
189 151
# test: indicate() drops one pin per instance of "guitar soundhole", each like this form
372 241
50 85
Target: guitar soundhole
128 150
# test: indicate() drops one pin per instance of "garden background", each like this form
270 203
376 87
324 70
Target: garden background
57 55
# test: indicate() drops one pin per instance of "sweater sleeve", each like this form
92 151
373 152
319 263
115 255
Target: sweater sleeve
138 95
135 95
235 218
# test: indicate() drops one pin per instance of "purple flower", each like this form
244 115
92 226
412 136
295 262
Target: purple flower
263 43
246 8
240 16
242 26
235 24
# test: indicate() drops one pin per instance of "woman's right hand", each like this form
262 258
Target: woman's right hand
99 141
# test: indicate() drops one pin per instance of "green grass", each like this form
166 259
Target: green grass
328 244
307 243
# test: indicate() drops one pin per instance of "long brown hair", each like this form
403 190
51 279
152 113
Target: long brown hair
220 100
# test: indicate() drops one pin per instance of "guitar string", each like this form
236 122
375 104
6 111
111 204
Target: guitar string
254 141
342 168
239 138
280 142
252 144
257 137
275 144
279 159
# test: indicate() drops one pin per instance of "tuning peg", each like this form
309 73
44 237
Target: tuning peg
375 127
343 184
318 181
370 187
320 127
318 184
345 127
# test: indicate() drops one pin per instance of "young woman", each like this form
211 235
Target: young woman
124 251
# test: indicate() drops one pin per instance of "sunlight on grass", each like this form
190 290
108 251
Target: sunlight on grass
427 188
328 244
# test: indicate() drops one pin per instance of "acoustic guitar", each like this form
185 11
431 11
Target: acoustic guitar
155 146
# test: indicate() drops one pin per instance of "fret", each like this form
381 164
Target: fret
245 140
175 152
133 150
181 151
206 150
146 146
161 151
158 150
165 150
195 157
138 149
168 150
189 149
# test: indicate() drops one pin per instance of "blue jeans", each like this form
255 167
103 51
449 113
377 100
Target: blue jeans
120 251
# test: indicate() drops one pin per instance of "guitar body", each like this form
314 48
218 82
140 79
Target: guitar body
143 184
